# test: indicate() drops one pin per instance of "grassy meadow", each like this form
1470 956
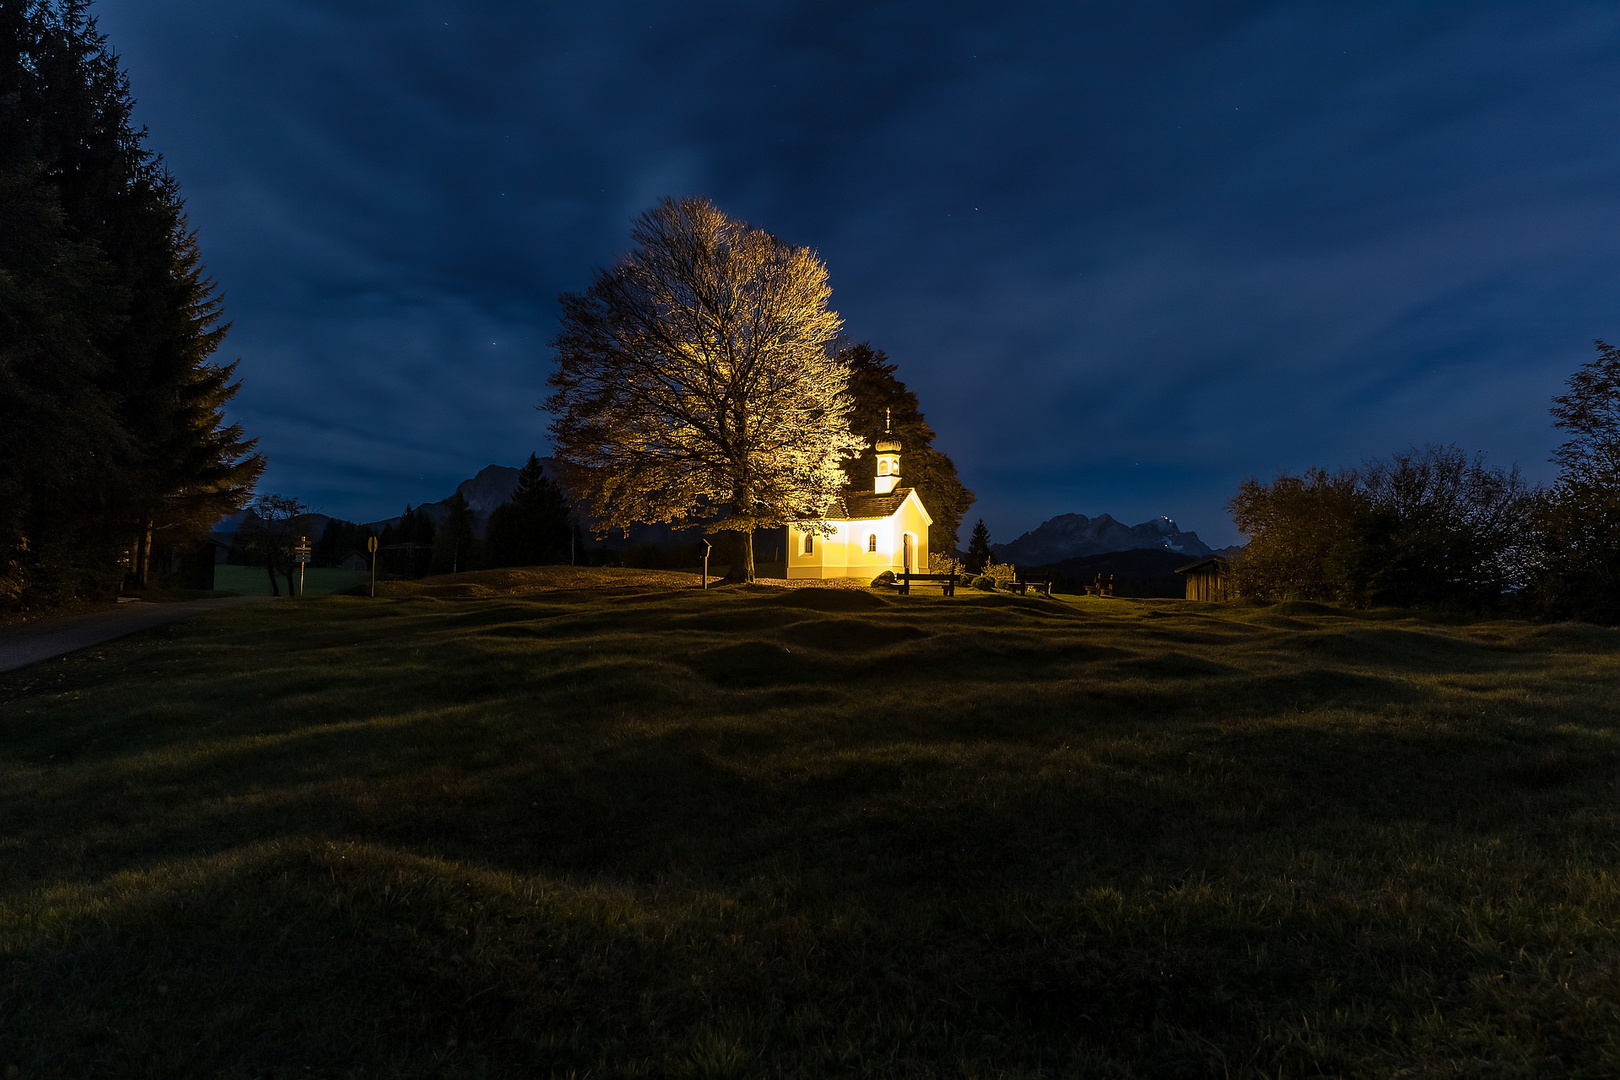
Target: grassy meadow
255 581
500 828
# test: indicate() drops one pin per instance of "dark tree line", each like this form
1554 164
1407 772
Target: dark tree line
112 436
534 528
338 539
1437 527
1422 527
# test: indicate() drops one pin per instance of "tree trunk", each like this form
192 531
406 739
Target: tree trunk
270 565
740 556
143 557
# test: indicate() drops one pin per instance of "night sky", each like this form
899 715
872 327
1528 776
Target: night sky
1125 254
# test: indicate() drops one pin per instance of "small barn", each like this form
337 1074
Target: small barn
1208 579
354 561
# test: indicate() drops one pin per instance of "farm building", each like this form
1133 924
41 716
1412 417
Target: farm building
1208 579
872 531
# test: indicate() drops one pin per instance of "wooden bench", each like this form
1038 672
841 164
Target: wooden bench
1042 585
947 582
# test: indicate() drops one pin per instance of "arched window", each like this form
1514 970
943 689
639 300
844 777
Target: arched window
883 466
871 542
809 543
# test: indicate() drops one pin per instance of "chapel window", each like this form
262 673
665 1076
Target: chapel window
809 543
871 542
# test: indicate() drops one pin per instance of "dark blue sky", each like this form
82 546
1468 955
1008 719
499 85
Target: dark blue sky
1125 254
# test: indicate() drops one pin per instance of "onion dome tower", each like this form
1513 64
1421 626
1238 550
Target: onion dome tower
888 460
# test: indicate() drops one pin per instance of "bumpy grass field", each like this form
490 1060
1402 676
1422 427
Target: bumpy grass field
644 831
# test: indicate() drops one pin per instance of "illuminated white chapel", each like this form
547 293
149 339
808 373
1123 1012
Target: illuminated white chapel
872 531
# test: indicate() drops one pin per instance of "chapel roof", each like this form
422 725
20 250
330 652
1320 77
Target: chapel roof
865 505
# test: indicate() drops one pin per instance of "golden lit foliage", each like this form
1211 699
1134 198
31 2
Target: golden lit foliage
694 379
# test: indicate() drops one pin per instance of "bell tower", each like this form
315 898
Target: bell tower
888 460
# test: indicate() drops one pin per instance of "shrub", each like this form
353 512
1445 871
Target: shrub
1003 574
985 582
943 564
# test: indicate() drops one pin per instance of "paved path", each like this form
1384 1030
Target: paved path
32 642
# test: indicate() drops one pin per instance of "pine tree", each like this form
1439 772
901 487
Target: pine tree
534 528
978 552
884 404
455 539
110 326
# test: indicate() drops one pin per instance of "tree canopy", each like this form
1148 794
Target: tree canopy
883 403
1424 526
1577 555
112 435
694 381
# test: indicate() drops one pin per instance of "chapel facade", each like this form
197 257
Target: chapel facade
885 528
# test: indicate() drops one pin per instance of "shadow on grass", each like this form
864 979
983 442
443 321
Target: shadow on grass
699 835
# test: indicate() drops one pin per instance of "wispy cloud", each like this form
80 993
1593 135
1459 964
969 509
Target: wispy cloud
1126 254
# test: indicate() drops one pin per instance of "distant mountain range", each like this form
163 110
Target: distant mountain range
1075 536
493 486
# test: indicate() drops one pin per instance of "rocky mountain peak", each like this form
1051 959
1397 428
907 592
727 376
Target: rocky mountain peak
1071 536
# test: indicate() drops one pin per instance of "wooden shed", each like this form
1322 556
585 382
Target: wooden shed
1208 579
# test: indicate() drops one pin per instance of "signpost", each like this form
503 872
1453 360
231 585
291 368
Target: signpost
301 554
371 546
707 547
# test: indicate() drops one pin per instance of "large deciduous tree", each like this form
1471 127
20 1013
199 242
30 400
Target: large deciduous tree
111 424
694 382
883 404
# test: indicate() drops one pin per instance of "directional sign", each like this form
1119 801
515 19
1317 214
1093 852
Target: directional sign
301 556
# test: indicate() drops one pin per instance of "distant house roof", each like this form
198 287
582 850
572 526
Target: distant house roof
1207 560
866 505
